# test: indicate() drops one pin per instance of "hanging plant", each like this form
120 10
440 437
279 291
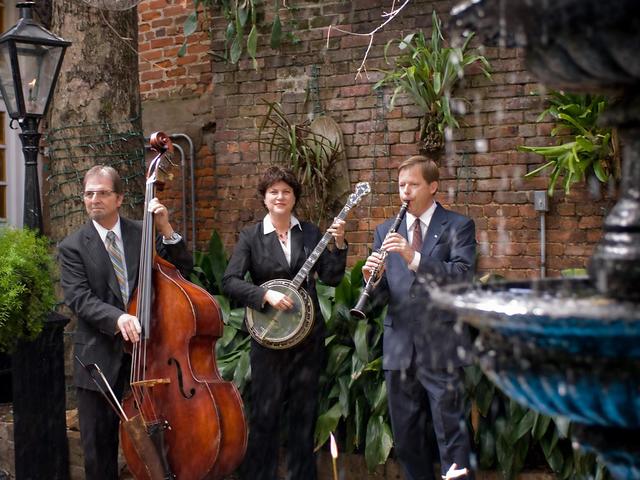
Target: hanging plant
590 151
26 284
428 71
311 156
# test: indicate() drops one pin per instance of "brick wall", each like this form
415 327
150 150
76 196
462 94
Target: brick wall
482 175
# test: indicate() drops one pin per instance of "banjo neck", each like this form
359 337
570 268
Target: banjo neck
315 255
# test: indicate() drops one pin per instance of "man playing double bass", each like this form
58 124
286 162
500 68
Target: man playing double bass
99 273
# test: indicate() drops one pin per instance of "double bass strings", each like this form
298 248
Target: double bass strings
143 311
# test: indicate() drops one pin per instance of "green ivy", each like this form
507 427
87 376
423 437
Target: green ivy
590 149
242 16
26 272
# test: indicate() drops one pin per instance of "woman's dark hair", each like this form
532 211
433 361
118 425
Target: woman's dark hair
277 174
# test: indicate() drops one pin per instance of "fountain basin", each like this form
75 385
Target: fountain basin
557 346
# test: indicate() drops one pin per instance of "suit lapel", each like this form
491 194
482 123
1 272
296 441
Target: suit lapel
437 224
297 250
272 245
405 276
131 240
403 229
99 256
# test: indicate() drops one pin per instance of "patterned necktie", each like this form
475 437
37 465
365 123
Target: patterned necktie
416 241
117 260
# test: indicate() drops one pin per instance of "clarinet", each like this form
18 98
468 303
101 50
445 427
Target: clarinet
358 310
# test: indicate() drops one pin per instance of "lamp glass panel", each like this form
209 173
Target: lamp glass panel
37 64
7 88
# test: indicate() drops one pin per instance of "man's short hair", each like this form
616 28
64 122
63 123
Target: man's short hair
428 167
105 171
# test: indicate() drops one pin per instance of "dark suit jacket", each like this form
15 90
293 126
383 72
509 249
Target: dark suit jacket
447 256
91 291
262 256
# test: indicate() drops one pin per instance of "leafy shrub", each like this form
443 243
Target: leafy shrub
353 394
26 284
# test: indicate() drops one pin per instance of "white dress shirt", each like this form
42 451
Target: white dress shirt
268 227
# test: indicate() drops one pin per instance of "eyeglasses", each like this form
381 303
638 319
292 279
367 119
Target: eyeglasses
98 193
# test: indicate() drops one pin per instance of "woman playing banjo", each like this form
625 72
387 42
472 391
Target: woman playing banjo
276 248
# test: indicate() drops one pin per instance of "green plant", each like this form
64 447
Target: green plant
591 149
506 434
26 272
428 71
353 395
232 349
240 15
311 156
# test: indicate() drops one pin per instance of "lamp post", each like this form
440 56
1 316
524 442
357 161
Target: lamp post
30 61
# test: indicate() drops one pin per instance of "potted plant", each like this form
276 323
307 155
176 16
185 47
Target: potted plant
26 268
428 71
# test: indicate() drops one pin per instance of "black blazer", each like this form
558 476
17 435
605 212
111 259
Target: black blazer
91 291
262 256
447 256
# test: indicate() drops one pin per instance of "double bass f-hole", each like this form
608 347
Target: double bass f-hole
192 391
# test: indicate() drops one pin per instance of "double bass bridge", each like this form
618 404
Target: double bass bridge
152 382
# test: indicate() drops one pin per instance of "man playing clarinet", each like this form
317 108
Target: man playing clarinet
421 347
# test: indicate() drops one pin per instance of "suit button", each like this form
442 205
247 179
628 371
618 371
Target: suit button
413 295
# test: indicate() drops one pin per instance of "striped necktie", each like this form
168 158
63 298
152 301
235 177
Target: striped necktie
416 242
117 260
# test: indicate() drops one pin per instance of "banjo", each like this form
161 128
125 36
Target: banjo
280 329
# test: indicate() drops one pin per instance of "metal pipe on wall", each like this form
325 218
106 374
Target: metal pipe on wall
192 195
541 204
192 157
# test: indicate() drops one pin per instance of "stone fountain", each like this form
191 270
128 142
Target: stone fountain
571 347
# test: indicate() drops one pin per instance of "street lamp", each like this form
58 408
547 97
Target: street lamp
30 61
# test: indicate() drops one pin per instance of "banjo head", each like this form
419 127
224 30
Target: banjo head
279 329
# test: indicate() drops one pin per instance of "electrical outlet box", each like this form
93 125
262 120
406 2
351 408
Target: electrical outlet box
541 200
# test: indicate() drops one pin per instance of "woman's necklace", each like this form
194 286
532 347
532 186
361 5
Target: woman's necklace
284 236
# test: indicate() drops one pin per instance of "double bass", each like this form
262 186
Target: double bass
181 420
